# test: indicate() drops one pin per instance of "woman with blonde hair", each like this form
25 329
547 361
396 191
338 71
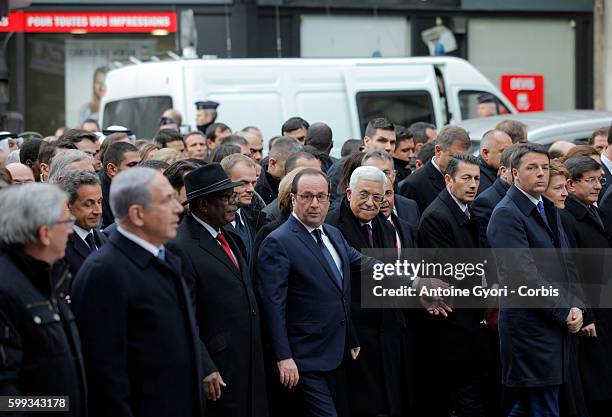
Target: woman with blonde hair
148 151
168 155
557 188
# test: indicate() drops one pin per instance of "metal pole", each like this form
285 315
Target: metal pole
599 55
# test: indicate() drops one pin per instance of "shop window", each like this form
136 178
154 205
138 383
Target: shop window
400 107
140 114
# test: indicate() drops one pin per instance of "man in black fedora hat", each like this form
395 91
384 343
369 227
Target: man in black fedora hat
226 309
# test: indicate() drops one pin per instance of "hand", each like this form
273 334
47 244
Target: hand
574 320
355 352
435 306
589 330
289 375
212 386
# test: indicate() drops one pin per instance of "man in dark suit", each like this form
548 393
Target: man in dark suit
405 233
448 223
85 204
485 202
143 356
405 208
606 165
213 263
534 342
248 221
118 157
304 286
585 229
424 185
376 381
492 145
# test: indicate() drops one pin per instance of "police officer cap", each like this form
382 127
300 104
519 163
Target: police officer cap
206 105
485 98
166 121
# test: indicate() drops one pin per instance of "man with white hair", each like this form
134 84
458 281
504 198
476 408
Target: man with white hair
39 341
376 383
67 162
140 342
20 173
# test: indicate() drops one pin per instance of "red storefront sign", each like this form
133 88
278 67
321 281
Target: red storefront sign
89 22
526 92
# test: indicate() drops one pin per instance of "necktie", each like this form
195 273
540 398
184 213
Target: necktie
368 230
397 245
327 255
161 255
91 242
595 214
467 212
245 234
543 213
226 248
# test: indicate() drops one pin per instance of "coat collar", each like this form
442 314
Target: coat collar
528 208
141 257
210 245
486 170
580 211
436 177
501 186
447 199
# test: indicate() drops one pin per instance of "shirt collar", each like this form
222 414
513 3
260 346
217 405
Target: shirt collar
606 162
531 198
433 162
149 247
206 226
463 207
82 233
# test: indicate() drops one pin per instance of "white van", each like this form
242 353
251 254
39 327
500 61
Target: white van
344 93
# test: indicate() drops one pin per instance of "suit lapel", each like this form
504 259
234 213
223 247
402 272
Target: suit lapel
79 246
310 243
210 244
346 271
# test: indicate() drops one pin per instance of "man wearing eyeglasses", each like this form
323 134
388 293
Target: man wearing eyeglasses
585 228
226 308
40 351
303 278
376 380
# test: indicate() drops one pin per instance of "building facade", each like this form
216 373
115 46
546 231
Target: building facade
57 51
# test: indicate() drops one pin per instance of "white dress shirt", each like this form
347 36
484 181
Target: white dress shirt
82 233
149 247
213 233
531 198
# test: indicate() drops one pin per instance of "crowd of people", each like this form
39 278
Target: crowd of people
197 274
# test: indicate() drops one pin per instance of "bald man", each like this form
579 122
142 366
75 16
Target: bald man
21 174
492 145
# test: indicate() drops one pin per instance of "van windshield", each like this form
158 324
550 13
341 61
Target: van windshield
400 107
140 114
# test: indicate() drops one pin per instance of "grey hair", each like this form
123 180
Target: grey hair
26 208
452 134
368 173
380 155
74 180
60 164
131 187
